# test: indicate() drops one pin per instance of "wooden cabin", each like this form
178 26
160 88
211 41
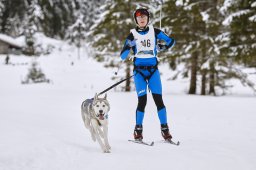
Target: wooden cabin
9 45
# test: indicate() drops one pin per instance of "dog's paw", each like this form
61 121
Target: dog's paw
106 151
108 147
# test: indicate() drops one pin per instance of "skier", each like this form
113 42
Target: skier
143 41
7 59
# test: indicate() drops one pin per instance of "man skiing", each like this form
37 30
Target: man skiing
143 41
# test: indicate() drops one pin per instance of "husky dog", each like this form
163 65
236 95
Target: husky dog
95 116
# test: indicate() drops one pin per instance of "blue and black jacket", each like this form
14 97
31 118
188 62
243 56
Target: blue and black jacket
159 35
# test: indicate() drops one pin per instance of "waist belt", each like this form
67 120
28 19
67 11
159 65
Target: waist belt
150 69
145 67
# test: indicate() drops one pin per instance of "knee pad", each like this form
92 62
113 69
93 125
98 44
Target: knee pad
158 101
142 101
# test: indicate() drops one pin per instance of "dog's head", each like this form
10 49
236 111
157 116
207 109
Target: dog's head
101 107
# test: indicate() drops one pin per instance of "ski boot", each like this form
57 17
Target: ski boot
138 132
165 132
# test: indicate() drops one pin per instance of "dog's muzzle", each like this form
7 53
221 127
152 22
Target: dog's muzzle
101 115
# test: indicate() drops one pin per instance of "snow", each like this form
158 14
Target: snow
253 18
253 4
43 42
227 4
205 16
179 3
229 19
38 11
10 40
41 126
224 37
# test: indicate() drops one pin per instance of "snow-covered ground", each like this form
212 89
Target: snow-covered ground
41 126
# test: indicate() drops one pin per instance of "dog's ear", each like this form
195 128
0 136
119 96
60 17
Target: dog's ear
96 96
105 97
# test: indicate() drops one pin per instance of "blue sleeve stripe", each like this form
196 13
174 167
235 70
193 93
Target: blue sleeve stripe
125 51
169 41
124 54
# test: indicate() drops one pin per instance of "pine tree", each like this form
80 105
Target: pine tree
58 15
240 47
12 15
34 15
76 33
32 24
111 30
184 21
1 13
210 54
90 10
202 43
35 75
241 19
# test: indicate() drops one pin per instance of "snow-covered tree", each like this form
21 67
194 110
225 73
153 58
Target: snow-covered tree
12 15
90 10
76 33
1 12
241 20
240 46
202 43
110 31
32 24
34 15
35 75
183 21
53 16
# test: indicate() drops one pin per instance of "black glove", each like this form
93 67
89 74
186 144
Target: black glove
161 47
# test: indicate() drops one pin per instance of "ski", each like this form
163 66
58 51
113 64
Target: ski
171 142
142 142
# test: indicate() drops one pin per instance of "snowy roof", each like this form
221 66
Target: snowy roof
10 40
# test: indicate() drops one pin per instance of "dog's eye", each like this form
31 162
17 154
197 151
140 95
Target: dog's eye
103 106
97 105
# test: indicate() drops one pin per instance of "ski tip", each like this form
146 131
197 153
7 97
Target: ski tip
177 143
172 142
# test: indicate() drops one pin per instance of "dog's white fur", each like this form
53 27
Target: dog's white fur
95 116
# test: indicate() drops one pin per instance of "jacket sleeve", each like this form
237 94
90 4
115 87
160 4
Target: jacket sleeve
126 49
162 36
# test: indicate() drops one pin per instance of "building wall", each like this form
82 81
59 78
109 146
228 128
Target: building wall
4 48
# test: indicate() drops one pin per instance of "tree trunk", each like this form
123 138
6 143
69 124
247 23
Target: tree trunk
203 82
212 79
128 81
193 78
